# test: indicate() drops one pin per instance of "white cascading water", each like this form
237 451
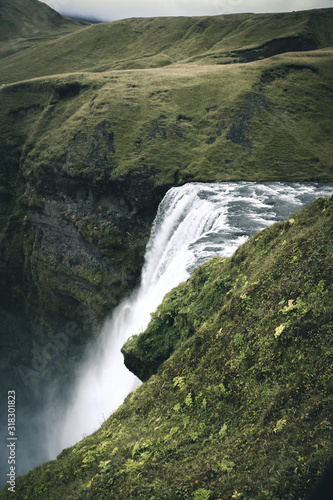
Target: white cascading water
194 223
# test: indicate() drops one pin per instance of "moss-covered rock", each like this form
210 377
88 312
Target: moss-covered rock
175 320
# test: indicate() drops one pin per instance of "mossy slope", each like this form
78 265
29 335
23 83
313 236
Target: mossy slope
242 407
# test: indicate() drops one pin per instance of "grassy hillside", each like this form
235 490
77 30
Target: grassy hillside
265 120
242 407
173 104
158 42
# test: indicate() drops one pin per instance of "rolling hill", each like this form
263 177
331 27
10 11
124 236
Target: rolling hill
153 43
26 22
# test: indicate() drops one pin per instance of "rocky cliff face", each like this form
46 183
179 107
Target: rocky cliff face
89 239
81 246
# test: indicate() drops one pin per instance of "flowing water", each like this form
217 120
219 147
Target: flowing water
194 223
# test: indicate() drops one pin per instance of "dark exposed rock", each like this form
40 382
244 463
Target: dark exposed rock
184 118
241 121
158 130
94 148
276 46
270 75
69 89
87 229
254 102
23 111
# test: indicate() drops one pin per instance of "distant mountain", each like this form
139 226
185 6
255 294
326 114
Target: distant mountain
28 19
89 20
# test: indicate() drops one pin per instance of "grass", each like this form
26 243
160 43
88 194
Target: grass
179 119
174 108
157 42
240 407
28 23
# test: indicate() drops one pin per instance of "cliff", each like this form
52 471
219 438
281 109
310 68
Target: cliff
238 405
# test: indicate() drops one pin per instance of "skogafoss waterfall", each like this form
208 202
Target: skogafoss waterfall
194 223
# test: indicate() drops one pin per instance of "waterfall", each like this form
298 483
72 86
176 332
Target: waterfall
194 223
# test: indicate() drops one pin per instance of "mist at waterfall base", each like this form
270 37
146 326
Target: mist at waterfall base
194 222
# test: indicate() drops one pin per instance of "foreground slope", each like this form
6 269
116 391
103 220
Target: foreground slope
242 407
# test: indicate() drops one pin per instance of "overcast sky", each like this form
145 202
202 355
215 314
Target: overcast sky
110 10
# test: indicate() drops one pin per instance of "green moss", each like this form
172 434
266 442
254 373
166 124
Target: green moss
175 320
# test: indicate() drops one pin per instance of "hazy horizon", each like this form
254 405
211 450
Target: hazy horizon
103 10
